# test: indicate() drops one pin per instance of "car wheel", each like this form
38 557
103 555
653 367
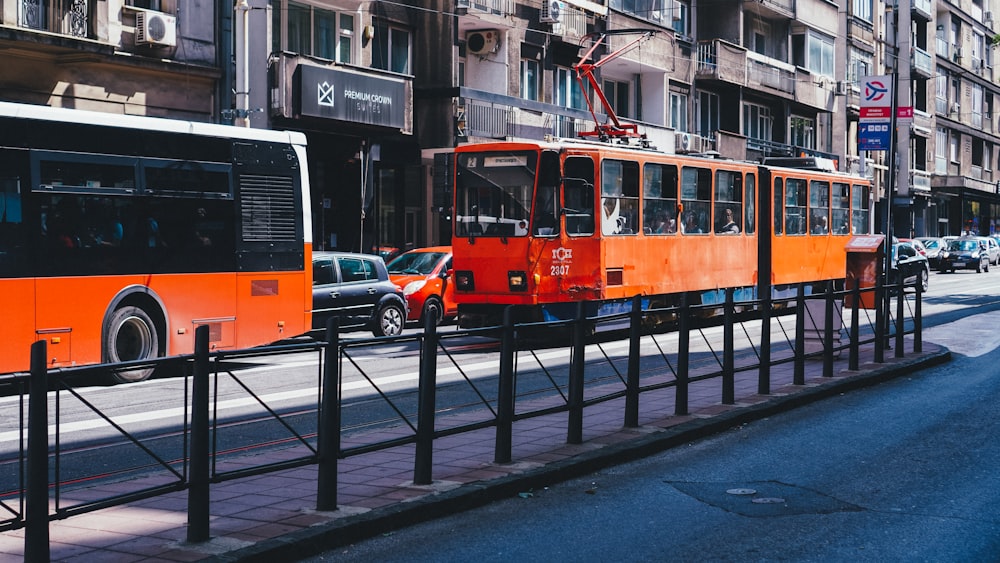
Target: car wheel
389 321
925 276
433 307
130 335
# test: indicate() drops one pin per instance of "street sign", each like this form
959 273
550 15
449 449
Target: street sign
874 136
876 91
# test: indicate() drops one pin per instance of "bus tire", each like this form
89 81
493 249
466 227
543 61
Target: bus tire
389 320
435 308
131 335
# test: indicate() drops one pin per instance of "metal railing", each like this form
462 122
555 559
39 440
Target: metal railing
692 343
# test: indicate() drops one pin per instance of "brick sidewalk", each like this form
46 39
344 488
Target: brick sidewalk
273 516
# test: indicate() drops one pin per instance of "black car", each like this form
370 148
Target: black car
965 253
911 264
356 288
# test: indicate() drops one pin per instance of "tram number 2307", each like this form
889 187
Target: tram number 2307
559 270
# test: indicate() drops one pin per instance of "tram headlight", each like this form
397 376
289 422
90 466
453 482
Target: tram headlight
464 280
517 280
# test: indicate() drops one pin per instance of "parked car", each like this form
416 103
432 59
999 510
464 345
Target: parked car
425 276
356 289
917 244
992 249
965 253
908 262
933 247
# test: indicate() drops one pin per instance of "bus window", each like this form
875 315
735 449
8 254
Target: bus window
578 195
659 199
619 197
840 215
696 199
779 200
751 197
819 207
860 219
728 201
795 206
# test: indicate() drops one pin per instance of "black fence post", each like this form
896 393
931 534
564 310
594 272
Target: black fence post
632 381
728 375
36 506
423 461
198 494
828 332
329 420
799 375
900 321
918 323
505 391
764 369
881 326
683 357
852 362
574 431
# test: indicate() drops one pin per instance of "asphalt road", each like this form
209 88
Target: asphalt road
904 471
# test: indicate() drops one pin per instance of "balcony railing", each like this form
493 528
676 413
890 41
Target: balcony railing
923 63
920 180
496 116
732 63
496 7
67 17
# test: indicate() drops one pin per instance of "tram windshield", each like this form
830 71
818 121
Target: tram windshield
493 193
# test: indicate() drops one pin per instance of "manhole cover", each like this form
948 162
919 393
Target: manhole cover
768 500
742 491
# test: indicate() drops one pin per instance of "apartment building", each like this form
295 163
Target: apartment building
384 89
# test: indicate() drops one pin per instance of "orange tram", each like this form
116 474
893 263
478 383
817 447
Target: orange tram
544 225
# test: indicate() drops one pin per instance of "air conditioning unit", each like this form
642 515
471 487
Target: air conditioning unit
955 109
482 42
957 57
460 4
686 142
988 16
841 88
155 28
552 11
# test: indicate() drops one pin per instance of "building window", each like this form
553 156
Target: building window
619 96
953 147
940 151
814 51
391 49
802 132
708 113
863 9
653 10
314 32
568 92
860 65
66 17
682 18
679 111
757 122
529 79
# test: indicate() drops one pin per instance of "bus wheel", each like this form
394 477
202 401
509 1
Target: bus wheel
131 335
434 309
389 321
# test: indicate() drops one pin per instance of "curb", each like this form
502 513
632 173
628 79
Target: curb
351 529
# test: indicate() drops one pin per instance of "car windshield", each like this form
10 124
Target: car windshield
964 245
415 263
931 244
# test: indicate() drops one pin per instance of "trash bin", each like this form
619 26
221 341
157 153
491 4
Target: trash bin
865 255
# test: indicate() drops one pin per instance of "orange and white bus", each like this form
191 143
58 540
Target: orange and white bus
119 235
544 225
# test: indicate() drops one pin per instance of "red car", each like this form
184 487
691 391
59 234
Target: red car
425 276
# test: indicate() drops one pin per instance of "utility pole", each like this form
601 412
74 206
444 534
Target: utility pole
902 200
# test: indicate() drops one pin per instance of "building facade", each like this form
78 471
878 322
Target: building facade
384 90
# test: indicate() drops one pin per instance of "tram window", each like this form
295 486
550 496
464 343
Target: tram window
728 201
840 214
819 207
860 219
578 196
619 197
659 199
545 209
751 197
795 206
696 199
779 200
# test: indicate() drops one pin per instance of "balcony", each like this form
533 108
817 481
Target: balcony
920 180
480 14
921 9
732 64
486 115
572 25
923 63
